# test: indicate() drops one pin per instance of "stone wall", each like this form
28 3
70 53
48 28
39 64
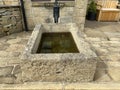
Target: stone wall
10 17
36 15
75 12
9 2
68 14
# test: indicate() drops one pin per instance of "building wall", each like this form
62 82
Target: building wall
68 14
36 15
72 14
10 17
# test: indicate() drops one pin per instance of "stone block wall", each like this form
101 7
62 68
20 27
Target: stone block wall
10 17
68 14
35 15
9 2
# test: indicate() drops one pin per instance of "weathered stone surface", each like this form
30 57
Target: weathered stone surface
113 58
7 80
114 72
92 86
113 69
4 71
18 78
100 51
10 18
107 49
17 69
62 86
94 33
59 71
101 74
4 46
64 67
13 41
9 69
111 34
104 78
3 54
15 47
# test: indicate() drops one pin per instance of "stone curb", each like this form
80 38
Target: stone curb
63 86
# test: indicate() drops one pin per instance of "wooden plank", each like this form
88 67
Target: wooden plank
109 16
107 3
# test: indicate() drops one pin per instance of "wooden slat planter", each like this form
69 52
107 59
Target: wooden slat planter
108 15
107 10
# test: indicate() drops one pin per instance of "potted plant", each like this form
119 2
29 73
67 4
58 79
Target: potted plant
118 6
119 1
91 11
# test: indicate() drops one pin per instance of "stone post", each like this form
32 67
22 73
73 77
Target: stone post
80 13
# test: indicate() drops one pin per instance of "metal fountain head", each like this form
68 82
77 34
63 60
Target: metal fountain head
56 10
56 3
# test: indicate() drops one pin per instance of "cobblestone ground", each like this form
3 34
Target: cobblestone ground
104 38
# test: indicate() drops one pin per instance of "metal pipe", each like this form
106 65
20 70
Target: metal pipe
24 15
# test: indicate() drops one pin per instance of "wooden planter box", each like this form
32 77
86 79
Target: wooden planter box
108 15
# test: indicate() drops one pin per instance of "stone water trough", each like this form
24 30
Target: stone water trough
58 67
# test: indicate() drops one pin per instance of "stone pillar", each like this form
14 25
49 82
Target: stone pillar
29 14
80 13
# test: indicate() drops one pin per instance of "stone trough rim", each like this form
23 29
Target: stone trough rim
27 54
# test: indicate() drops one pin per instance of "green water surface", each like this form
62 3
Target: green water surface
57 43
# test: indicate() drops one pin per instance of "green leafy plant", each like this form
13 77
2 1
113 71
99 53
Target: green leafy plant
92 7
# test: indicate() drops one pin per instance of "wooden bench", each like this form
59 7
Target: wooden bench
107 10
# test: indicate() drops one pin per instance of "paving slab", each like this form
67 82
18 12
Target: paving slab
14 41
109 28
108 49
95 33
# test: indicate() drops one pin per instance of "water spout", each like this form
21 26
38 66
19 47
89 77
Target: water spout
56 11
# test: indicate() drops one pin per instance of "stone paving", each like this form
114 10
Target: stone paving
11 48
104 38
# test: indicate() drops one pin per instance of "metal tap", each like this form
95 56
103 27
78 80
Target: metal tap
56 11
